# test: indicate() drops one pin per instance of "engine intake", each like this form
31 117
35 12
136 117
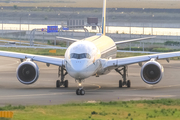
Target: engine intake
152 72
27 72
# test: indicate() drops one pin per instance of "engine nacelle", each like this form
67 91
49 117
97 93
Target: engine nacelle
27 72
152 72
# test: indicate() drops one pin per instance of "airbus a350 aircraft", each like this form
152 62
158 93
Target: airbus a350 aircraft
93 56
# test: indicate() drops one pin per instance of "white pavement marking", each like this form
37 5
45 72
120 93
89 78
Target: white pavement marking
36 95
165 86
154 87
8 64
140 95
99 87
32 95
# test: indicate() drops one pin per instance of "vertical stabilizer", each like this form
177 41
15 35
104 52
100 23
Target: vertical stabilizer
104 18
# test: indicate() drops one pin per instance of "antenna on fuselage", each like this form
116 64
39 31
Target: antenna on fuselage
104 19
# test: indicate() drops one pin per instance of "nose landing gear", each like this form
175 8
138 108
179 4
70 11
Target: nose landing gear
80 90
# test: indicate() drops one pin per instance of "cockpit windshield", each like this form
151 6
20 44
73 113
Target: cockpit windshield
80 56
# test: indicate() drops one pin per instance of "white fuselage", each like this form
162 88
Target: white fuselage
82 57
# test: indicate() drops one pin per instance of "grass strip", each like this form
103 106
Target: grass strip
37 51
166 109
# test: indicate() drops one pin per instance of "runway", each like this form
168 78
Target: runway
103 88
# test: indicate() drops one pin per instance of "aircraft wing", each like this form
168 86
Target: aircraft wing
132 40
68 39
138 59
44 59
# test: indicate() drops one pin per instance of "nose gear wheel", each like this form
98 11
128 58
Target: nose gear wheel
80 90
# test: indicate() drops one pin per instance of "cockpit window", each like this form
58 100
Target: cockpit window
80 56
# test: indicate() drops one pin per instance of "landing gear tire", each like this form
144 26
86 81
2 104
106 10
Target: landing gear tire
128 83
78 92
82 92
61 74
120 84
66 83
123 72
57 83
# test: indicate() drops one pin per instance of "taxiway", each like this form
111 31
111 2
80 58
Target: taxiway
103 88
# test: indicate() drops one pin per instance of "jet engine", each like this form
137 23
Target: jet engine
27 72
152 72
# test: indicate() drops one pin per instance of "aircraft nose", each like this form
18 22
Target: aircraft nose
79 69
78 66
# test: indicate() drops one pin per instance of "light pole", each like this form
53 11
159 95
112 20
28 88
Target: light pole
130 23
122 16
28 21
152 25
20 29
143 28
2 20
56 21
143 21
130 30
152 28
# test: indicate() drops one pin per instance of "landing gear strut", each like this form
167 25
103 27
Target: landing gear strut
80 90
123 72
62 74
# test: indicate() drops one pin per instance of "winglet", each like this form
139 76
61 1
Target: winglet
104 19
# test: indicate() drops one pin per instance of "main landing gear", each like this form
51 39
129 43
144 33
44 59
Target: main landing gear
80 90
123 72
62 74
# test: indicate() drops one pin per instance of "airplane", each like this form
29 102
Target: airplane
92 56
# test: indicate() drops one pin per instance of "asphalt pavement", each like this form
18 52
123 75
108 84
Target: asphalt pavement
103 88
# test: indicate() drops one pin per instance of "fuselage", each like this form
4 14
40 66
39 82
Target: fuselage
82 57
